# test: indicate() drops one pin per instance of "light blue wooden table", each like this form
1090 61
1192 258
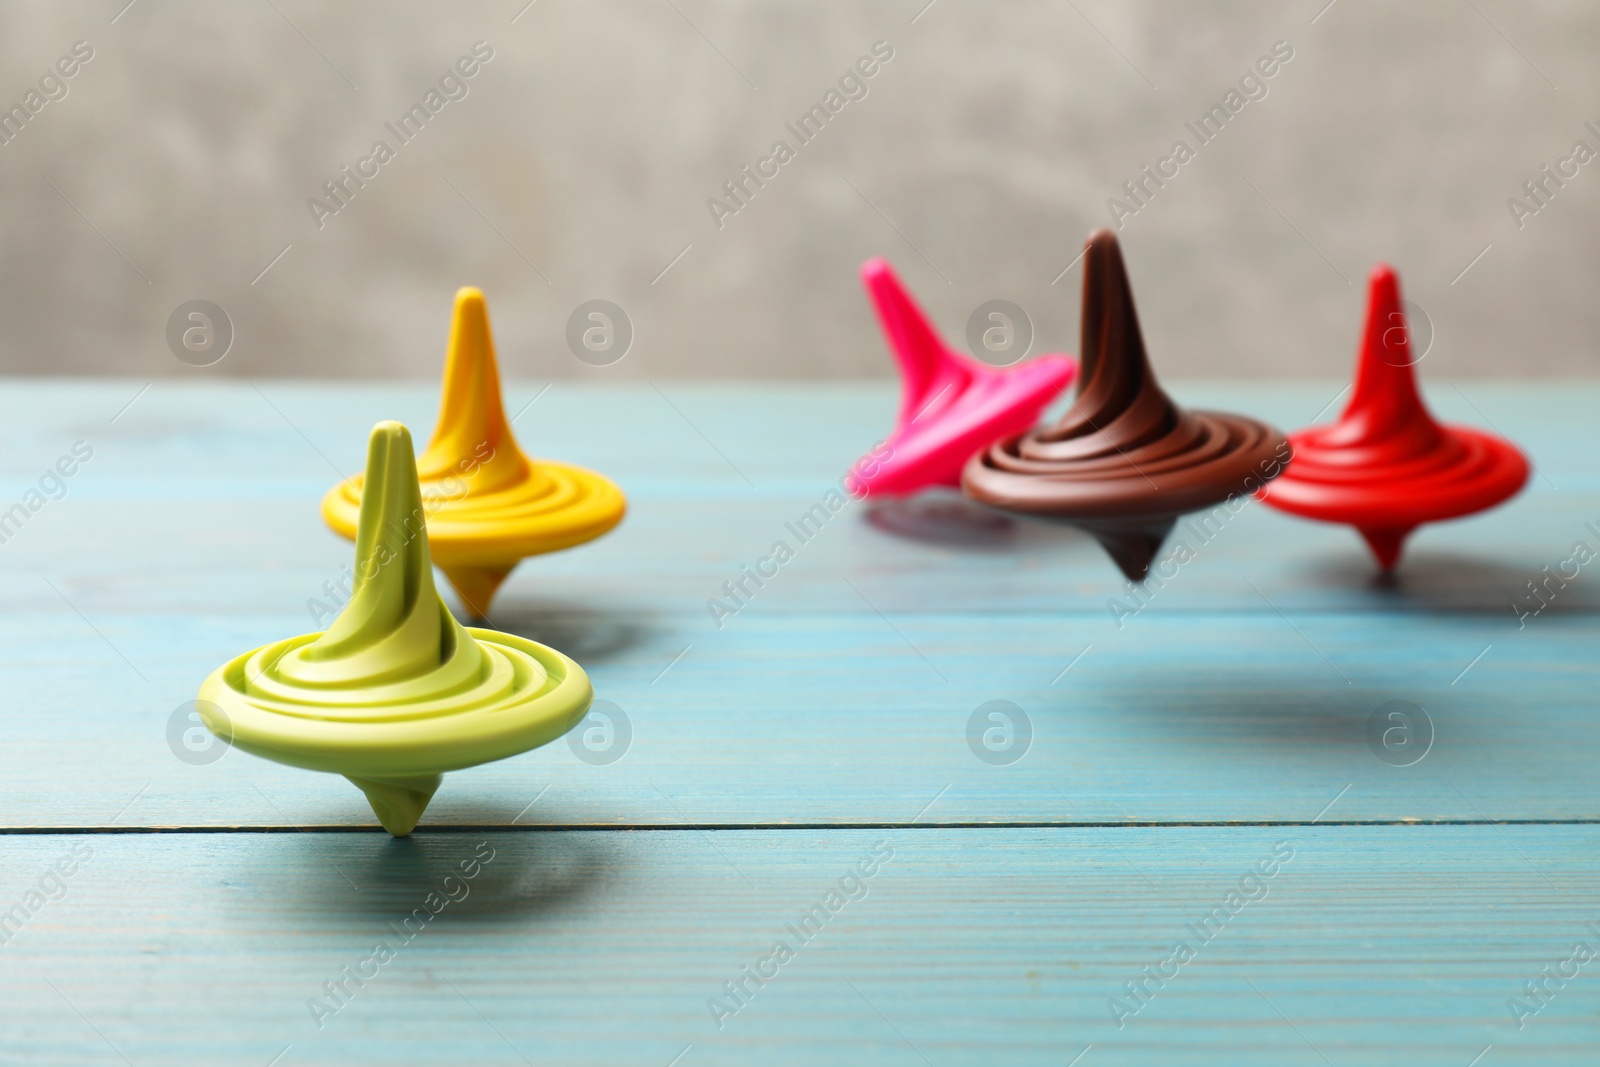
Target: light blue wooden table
1018 910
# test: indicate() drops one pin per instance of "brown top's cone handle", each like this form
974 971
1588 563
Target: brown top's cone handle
1124 461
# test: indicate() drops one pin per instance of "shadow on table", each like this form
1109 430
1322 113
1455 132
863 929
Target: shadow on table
461 875
948 519
587 634
1305 711
1436 579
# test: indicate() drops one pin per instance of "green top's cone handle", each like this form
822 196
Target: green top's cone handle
395 626
396 691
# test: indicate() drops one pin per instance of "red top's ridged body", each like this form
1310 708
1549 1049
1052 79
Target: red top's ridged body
1386 467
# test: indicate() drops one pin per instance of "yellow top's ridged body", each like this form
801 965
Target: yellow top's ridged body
488 505
396 691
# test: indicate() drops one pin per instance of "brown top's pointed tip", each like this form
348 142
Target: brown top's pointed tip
469 294
1101 246
1108 311
1102 253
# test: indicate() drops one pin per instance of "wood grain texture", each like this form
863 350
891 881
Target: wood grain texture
839 719
841 692
1371 945
209 484
1020 899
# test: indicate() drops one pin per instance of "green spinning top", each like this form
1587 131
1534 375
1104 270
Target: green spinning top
396 692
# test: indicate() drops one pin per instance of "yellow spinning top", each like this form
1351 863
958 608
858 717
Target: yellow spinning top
396 691
488 505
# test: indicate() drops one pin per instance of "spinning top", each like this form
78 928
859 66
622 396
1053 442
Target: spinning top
488 505
951 407
395 692
1386 467
1124 461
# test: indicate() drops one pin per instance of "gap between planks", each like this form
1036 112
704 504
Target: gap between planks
474 828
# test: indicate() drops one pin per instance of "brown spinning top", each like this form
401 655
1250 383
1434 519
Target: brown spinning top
1124 462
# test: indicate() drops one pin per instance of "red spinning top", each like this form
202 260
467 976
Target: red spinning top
1386 467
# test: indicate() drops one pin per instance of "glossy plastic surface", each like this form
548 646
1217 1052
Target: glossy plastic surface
1124 461
1386 467
489 506
395 692
951 406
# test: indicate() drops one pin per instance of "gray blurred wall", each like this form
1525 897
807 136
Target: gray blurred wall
580 161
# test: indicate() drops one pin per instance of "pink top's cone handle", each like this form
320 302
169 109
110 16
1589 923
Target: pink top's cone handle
1386 467
951 407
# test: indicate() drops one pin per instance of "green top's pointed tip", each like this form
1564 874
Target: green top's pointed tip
390 457
389 430
391 520
392 534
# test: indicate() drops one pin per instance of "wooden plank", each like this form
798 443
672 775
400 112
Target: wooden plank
779 431
842 692
673 555
1370 945
864 718
212 494
792 429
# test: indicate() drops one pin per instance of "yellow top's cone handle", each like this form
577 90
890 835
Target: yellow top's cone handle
488 505
472 424
472 414
396 691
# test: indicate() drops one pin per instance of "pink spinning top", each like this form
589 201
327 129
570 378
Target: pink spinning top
1386 467
951 407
